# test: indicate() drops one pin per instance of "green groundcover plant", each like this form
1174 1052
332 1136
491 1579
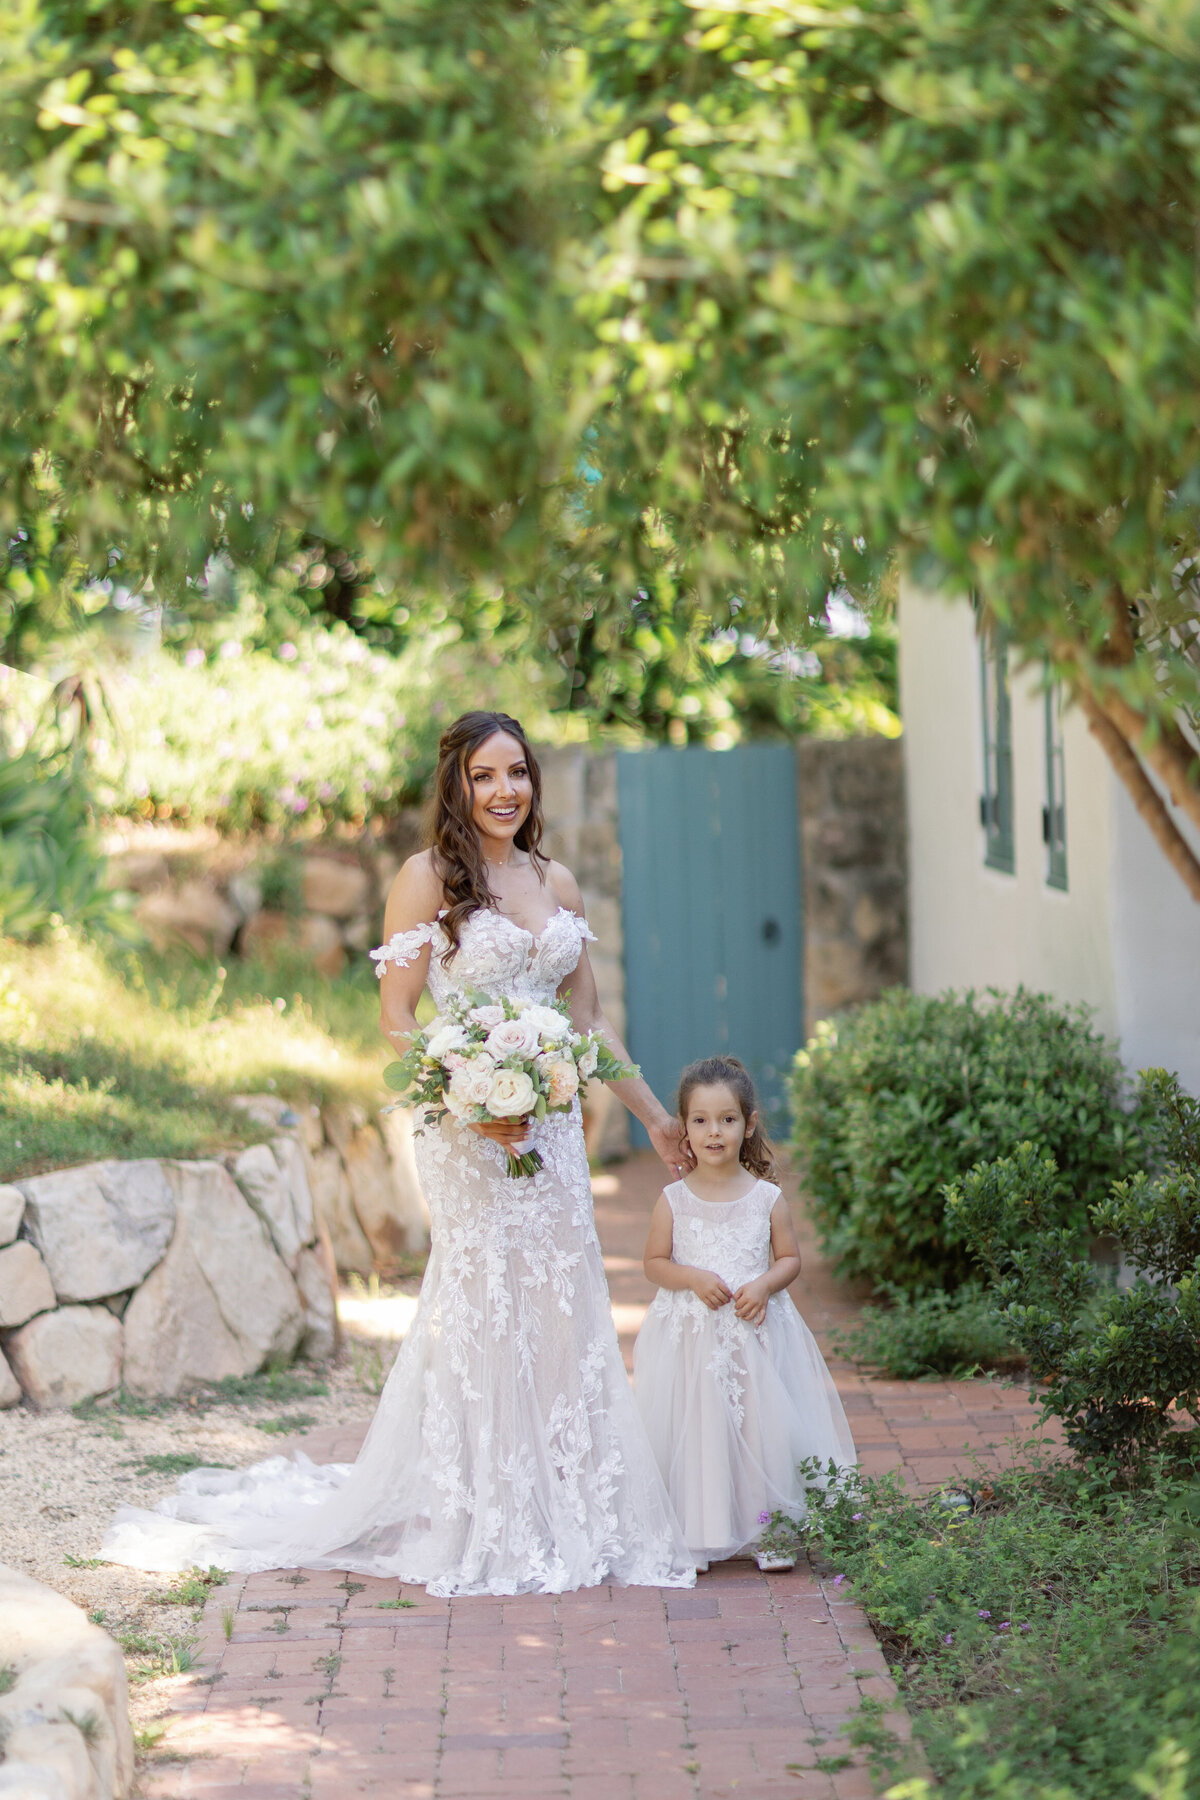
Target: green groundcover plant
899 1098
1119 1366
1046 1638
926 1336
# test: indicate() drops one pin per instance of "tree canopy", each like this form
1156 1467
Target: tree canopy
710 308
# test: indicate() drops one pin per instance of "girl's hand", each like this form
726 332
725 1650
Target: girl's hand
711 1289
750 1303
504 1131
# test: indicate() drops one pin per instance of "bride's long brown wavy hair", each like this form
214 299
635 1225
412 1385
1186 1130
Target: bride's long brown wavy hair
457 857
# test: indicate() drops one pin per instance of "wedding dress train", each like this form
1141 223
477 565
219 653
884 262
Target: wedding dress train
507 1455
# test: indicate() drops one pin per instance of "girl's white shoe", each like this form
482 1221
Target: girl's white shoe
771 1562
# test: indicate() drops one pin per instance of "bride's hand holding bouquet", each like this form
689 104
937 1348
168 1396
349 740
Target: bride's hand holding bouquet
500 1065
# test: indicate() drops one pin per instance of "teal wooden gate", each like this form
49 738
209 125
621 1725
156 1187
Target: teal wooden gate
711 904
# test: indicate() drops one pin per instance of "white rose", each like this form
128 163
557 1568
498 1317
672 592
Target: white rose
588 1061
448 1037
471 1084
564 1083
515 1037
551 1026
511 1094
487 1016
455 1106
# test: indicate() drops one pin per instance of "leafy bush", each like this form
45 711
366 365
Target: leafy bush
932 1334
50 861
895 1100
1047 1641
320 727
1116 1366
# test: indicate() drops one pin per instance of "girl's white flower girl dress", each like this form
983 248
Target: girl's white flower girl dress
733 1409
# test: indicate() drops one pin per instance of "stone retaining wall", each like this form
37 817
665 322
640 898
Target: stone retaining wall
855 871
157 1276
64 1710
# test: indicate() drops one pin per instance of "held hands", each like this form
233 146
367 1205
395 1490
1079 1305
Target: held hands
508 1132
710 1288
750 1302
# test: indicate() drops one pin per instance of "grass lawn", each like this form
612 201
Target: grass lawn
112 1053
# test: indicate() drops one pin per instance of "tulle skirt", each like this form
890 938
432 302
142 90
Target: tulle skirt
732 1412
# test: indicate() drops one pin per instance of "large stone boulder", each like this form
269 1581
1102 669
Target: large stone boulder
10 1387
12 1207
265 1187
290 1154
68 1355
25 1285
411 1208
319 1296
195 914
331 1196
378 1207
101 1227
340 889
221 1302
64 1723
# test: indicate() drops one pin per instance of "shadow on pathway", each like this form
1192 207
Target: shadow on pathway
328 1687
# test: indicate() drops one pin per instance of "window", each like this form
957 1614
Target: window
1054 812
996 801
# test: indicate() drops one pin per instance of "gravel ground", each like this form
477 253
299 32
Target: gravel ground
62 1477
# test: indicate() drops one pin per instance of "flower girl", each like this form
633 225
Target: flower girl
729 1380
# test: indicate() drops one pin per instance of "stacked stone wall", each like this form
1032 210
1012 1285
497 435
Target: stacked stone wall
854 858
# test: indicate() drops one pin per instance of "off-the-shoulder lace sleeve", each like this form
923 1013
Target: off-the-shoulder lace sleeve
584 929
403 947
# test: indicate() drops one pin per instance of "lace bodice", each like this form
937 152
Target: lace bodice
730 1237
494 953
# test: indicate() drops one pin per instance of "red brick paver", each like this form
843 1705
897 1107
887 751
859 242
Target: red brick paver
322 1690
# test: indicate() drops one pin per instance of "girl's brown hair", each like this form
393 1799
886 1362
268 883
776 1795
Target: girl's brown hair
757 1154
457 857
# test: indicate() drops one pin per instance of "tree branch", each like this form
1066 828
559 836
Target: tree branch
1142 791
1166 750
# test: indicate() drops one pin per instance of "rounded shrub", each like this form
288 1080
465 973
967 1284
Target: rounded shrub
906 1094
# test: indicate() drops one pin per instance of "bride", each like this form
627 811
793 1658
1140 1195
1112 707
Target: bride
506 1455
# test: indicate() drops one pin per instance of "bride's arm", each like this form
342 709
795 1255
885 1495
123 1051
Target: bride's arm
412 906
588 1015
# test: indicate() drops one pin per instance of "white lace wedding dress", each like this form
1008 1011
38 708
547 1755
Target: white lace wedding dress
507 1455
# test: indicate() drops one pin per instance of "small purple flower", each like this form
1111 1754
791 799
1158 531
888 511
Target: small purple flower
838 1580
949 1638
1003 1627
288 653
1026 1628
858 1515
194 657
764 1518
984 1613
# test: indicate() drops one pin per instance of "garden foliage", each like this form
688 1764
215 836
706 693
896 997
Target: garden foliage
50 861
1047 1641
893 1101
614 298
918 1336
1114 1364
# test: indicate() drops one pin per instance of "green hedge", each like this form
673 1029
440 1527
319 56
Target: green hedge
899 1098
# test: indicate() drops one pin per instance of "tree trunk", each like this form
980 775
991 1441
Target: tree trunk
1144 794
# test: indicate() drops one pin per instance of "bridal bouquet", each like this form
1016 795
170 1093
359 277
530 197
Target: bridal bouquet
482 1059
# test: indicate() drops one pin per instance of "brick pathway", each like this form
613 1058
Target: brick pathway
317 1686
